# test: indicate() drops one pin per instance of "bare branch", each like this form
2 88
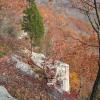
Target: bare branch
98 17
85 43
97 24
85 2
93 26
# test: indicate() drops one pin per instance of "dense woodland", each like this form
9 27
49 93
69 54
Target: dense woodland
64 30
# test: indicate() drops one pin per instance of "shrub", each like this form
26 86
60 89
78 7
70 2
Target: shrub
2 53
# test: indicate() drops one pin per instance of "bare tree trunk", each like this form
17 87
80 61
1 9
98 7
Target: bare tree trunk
31 46
97 81
95 87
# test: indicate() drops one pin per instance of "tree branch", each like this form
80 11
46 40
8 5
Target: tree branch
97 24
88 3
93 26
95 4
85 43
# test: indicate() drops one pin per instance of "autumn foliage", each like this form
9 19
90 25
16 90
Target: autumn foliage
66 39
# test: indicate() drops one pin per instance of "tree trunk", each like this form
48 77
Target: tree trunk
31 46
95 87
97 81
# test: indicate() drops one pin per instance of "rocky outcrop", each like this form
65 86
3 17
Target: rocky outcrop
57 69
38 59
25 68
4 95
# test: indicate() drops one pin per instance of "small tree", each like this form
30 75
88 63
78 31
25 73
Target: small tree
33 23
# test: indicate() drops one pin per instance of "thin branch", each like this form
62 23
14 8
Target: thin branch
95 4
88 4
93 26
79 8
90 19
87 12
98 27
85 43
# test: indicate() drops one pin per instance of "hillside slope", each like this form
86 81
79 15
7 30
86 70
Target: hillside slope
67 38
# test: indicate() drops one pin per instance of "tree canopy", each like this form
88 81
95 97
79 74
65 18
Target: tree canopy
33 22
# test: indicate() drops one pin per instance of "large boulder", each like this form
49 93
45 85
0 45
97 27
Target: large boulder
4 95
24 67
38 59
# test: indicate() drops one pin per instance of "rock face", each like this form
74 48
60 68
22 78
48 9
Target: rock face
57 72
4 95
62 74
22 35
38 58
58 68
25 68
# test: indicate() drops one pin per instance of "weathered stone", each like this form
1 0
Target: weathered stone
24 67
4 95
38 59
61 70
22 35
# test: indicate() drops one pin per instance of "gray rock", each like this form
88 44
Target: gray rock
23 66
4 95
38 59
61 73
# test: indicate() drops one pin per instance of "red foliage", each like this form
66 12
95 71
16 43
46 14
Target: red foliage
4 59
71 96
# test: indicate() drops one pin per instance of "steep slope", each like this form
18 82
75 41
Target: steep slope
67 38
74 42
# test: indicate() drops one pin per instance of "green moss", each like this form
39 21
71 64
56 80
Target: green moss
37 70
2 53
